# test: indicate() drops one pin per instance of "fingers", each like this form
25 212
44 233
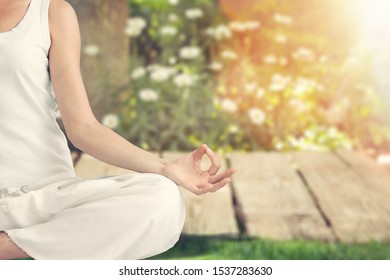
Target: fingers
215 165
220 184
216 182
219 177
199 152
211 187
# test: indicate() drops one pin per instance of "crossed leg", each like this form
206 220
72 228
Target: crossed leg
9 250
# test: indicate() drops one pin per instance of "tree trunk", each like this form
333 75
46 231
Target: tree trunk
104 53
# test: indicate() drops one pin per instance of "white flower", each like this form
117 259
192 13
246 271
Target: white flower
173 17
160 74
168 30
233 128
260 92
383 159
242 26
303 54
252 25
279 82
172 60
280 38
278 78
189 52
250 87
279 146
256 116
173 2
216 66
210 31
132 32
194 13
220 32
303 85
136 22
300 89
283 61
154 66
148 95
297 104
283 19
91 50
183 80
228 105
277 87
138 72
270 59
111 121
135 26
238 26
228 54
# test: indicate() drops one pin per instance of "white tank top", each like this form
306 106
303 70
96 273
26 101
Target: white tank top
32 145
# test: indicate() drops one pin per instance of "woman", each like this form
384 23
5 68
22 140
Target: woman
46 212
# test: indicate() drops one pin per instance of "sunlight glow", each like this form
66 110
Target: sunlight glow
376 39
376 20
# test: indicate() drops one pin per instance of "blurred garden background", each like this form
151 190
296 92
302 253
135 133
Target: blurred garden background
248 75
245 75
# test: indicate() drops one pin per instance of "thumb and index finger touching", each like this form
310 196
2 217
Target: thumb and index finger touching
215 164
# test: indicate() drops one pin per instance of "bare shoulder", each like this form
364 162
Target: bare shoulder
62 17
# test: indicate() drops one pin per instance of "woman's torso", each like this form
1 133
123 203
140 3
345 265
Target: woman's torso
32 146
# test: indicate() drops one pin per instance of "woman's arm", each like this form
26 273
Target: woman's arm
82 128
90 136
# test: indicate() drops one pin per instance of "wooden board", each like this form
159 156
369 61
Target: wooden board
374 175
274 201
211 213
356 212
88 167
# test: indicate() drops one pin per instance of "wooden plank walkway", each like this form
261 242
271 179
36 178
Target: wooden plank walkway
330 196
274 200
355 211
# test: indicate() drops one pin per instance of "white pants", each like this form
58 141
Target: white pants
132 216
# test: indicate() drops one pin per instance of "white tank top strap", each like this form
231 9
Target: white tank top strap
45 23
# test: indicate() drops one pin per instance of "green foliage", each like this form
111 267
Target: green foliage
209 248
255 75
180 112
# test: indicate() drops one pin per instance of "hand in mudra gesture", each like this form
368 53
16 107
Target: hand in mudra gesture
186 172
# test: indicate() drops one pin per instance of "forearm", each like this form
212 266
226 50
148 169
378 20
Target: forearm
106 145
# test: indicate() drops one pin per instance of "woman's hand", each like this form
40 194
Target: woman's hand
186 172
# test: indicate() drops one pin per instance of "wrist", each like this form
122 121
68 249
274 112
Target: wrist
162 163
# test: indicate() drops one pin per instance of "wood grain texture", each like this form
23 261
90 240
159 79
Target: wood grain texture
211 213
374 175
89 168
275 202
357 212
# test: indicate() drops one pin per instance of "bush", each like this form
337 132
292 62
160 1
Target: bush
247 75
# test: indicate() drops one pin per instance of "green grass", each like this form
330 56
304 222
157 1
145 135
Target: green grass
209 248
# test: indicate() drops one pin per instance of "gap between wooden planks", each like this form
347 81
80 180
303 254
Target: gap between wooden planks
274 200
